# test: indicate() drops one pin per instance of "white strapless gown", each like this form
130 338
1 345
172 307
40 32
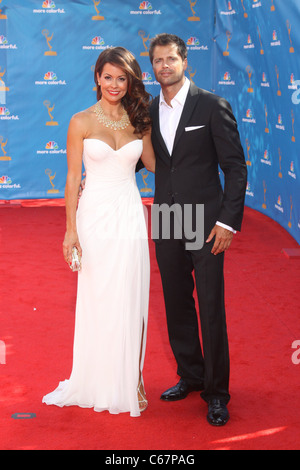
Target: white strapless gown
113 285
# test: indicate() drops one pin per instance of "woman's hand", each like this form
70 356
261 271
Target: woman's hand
71 240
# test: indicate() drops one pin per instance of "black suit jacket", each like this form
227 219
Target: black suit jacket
191 174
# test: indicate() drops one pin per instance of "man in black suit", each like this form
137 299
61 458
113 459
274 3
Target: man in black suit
194 132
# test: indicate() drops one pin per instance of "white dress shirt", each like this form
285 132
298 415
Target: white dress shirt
169 117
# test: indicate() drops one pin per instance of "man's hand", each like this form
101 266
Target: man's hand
223 239
82 186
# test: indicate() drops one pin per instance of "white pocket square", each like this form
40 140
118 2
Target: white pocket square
193 128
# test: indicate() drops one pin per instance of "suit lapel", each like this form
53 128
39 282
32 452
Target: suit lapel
156 129
187 111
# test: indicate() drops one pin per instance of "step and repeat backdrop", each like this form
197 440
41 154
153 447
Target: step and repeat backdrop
244 50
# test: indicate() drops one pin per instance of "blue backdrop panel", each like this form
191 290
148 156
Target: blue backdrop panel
48 51
244 50
257 69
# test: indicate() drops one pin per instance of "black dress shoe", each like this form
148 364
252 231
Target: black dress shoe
217 413
180 391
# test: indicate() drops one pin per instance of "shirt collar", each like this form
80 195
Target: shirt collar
180 97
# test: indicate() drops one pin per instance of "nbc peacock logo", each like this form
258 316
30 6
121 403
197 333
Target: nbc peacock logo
226 79
229 11
97 43
264 81
291 171
51 145
148 80
266 158
249 117
3 40
278 204
249 191
145 6
48 6
146 77
249 44
193 41
50 78
4 111
275 41
280 125
6 182
5 115
292 84
51 148
4 44
193 44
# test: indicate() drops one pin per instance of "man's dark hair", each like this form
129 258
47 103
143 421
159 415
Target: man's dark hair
165 39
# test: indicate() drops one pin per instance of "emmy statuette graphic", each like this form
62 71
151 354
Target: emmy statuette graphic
50 109
264 205
191 74
4 157
142 34
45 33
97 17
2 17
277 76
145 175
266 116
229 36
194 17
51 178
293 125
280 158
245 13
261 46
249 72
288 25
291 212
248 162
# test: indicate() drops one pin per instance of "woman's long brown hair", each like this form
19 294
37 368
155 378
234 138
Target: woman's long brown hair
136 101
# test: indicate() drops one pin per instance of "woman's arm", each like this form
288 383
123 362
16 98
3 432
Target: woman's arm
74 158
148 157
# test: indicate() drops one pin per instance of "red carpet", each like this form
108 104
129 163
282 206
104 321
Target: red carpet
37 324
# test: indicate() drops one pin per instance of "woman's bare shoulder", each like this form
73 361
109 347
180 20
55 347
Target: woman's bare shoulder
82 120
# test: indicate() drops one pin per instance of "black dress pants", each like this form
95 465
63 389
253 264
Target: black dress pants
206 363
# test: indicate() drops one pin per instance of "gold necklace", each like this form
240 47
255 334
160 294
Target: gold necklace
114 125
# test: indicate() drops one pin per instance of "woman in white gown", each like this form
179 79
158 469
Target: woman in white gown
109 231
